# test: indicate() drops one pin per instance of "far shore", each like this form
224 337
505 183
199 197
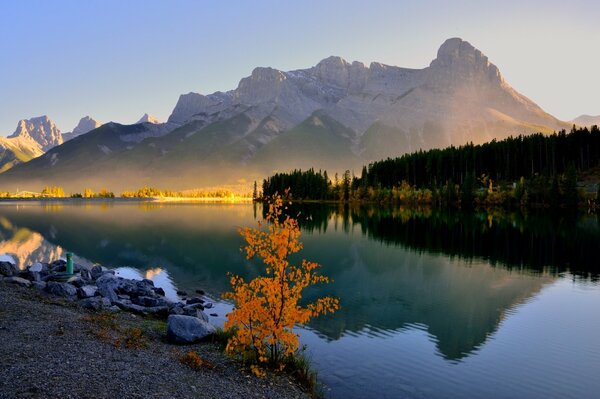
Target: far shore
121 199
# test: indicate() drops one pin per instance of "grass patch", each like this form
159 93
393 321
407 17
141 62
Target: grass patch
107 329
193 360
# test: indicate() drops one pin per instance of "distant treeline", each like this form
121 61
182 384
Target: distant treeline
523 170
143 192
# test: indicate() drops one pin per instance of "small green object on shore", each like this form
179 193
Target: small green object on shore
69 263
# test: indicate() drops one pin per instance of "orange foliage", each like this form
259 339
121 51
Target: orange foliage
267 308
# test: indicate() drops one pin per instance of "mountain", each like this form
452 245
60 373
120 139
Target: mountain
86 124
148 119
587 120
41 129
336 115
30 139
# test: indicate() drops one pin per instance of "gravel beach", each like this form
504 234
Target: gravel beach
52 348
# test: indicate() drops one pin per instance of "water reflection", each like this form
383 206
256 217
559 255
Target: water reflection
393 268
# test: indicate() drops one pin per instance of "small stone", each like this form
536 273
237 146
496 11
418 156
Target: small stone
159 291
87 291
8 269
176 310
61 289
182 293
187 329
208 305
124 297
18 281
195 300
201 292
214 315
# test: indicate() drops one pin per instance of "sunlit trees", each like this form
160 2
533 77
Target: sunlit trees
53 192
268 307
88 193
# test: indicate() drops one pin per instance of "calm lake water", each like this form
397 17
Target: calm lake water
434 305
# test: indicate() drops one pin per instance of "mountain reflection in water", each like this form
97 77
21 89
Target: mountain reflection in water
392 268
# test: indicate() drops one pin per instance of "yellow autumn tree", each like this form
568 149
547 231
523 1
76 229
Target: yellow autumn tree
267 308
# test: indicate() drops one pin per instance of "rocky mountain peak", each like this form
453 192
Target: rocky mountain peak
40 129
148 119
86 124
458 62
334 71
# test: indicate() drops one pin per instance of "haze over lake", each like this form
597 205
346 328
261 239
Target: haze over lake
434 304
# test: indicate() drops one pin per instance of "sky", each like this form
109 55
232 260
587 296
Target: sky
116 60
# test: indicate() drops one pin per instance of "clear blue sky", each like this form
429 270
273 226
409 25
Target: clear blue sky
116 59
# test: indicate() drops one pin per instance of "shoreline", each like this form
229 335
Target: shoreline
51 344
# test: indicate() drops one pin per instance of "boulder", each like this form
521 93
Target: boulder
87 291
18 281
61 289
187 329
159 291
190 310
149 301
96 271
76 281
86 274
94 303
148 282
36 268
107 285
208 305
192 301
40 285
181 293
8 269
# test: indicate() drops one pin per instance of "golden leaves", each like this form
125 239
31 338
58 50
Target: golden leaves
267 307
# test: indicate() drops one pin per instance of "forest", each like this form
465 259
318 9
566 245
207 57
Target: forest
534 170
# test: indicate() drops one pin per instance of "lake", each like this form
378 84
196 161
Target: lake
484 304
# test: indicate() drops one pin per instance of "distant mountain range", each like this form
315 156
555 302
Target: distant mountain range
587 120
336 115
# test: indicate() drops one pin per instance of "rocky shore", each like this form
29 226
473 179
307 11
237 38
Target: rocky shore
97 335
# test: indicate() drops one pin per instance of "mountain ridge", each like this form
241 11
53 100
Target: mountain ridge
337 115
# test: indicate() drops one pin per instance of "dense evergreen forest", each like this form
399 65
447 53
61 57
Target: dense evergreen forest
521 171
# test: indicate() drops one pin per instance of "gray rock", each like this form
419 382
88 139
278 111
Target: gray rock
148 282
87 291
107 285
76 281
61 289
208 305
187 329
192 301
176 310
181 293
94 303
40 285
96 271
33 276
36 267
18 280
201 292
159 291
114 308
149 301
190 310
86 274
8 269
132 307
